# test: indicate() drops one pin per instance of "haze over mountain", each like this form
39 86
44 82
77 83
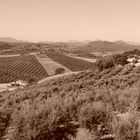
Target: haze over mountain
10 39
72 43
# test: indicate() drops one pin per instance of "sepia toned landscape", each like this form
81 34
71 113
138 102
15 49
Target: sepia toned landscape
53 92
69 70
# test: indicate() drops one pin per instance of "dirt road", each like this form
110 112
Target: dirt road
56 76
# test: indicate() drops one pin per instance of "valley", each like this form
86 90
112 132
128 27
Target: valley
69 93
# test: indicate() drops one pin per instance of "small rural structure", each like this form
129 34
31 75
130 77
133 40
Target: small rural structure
18 83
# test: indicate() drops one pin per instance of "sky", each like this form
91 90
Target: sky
64 20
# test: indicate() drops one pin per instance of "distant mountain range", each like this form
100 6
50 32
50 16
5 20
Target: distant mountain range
71 42
9 39
86 46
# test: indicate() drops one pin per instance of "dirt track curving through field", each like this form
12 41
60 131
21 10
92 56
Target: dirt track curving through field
57 76
83 58
12 55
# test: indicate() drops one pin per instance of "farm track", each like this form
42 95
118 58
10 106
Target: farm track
49 65
17 54
82 58
57 76
12 55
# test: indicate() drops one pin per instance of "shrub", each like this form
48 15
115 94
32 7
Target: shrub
93 114
105 63
59 71
132 52
42 120
126 126
120 59
31 80
4 120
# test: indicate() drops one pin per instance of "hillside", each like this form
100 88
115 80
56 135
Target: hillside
92 104
87 49
4 46
100 47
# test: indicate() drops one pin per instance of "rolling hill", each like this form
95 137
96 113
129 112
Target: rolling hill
104 47
87 49
98 103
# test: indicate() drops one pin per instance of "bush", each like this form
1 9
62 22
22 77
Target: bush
132 52
31 80
126 126
4 120
105 63
93 114
59 71
42 120
119 59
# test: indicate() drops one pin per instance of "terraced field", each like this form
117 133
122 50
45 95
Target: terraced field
74 64
21 68
49 65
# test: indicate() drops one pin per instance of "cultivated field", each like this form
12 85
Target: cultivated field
98 104
74 64
21 68
49 65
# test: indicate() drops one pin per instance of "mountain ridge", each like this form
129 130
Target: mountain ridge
10 40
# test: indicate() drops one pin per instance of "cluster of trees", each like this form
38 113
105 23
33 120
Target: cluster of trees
116 59
132 52
111 61
18 47
5 46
